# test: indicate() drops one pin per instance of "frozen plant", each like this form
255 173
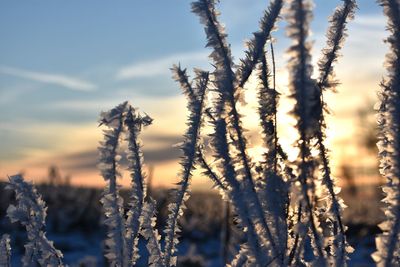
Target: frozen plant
111 200
388 243
309 111
335 38
30 212
240 181
196 101
290 213
123 229
150 233
5 251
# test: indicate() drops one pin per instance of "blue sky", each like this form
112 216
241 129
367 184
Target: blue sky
62 62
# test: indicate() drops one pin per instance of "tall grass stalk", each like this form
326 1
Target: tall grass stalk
388 245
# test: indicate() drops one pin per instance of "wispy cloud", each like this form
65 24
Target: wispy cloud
56 79
370 20
159 66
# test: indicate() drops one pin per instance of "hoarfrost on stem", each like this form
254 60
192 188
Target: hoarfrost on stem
30 212
388 243
5 251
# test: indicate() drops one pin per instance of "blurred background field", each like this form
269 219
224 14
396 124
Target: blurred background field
75 217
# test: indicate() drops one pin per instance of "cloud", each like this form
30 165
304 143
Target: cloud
89 105
88 160
57 79
159 66
378 21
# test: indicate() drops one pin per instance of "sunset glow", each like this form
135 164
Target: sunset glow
50 118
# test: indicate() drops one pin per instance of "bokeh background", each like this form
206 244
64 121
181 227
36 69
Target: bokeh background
63 62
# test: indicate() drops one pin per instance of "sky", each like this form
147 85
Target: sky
63 62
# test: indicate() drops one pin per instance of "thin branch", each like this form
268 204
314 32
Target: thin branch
257 43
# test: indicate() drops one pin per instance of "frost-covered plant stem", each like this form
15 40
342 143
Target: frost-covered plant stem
5 251
196 101
134 124
336 34
31 213
230 187
149 231
240 259
249 181
306 107
273 190
267 98
388 243
256 44
209 172
112 201
295 246
234 192
122 234
275 101
228 90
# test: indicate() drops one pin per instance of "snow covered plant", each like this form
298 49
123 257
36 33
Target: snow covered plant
30 212
5 251
388 243
289 211
123 230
